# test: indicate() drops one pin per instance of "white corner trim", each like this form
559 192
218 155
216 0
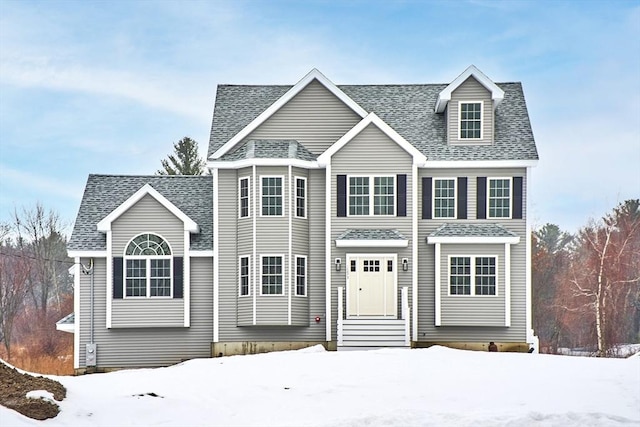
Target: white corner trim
76 313
109 284
186 279
414 252
472 240
328 265
497 94
438 285
216 256
531 338
353 243
460 164
372 118
87 254
297 88
290 259
507 285
105 224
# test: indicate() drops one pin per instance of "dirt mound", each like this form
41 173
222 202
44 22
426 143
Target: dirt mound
14 387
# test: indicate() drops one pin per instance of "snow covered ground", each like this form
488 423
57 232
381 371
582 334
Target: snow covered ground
312 387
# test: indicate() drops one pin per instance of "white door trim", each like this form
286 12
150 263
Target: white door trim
394 257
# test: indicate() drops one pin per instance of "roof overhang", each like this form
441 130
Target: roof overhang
365 243
372 119
65 326
297 88
497 94
105 225
453 164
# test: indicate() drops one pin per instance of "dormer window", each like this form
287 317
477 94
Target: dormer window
470 120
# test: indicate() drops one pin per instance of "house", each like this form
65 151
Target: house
356 216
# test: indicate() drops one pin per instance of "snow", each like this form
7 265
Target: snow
41 394
312 387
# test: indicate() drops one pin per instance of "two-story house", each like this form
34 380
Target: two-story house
357 216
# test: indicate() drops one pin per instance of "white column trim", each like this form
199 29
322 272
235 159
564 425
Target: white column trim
507 284
414 252
254 243
216 255
109 275
290 245
531 338
437 285
76 313
186 280
327 258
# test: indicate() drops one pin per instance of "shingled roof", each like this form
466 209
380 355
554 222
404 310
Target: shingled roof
193 195
270 148
408 109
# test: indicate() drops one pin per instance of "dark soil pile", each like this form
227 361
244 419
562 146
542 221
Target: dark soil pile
14 387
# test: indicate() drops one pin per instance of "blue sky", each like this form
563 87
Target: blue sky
107 87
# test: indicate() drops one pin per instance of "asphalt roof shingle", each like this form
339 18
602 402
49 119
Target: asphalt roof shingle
371 234
472 230
193 195
270 148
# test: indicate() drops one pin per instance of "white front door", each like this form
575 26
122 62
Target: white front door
371 285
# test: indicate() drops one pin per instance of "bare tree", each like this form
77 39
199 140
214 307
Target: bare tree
14 278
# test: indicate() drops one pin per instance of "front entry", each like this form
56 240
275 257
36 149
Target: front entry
371 285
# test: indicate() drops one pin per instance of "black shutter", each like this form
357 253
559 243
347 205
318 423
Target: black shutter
517 197
402 195
117 278
426 197
342 195
462 197
481 206
178 274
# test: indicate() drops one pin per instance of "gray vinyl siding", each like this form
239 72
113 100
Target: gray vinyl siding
147 216
147 313
470 90
427 331
314 117
146 347
370 153
472 310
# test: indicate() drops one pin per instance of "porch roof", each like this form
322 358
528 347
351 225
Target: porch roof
67 323
371 237
472 233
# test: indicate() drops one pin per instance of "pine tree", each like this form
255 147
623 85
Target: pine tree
184 160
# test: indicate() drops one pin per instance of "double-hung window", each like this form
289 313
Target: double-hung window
376 199
499 198
272 196
148 267
470 120
444 198
472 275
301 197
244 281
272 275
243 201
301 276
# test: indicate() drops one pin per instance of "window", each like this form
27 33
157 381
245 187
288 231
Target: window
271 196
244 276
243 207
470 120
148 267
272 275
499 197
481 271
371 265
301 197
301 276
444 198
361 198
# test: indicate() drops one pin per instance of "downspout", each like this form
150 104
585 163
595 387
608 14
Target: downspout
89 271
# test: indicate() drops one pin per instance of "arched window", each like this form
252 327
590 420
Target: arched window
148 267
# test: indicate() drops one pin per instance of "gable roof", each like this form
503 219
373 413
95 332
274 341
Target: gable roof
444 97
276 105
372 119
408 109
103 194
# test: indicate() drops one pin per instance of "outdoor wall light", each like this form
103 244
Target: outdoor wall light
338 263
405 264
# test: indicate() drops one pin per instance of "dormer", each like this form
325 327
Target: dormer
469 104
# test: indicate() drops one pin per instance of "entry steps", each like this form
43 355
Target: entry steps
365 334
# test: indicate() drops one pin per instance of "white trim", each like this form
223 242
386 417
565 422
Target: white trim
109 290
328 265
201 254
254 172
418 158
87 254
295 196
488 193
472 273
282 195
297 88
76 312
477 164
531 337
248 257
242 178
186 279
371 186
282 273
189 224
473 240
353 243
414 251
497 94
460 138
306 275
507 284
455 197
215 176
438 285
290 241
262 161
